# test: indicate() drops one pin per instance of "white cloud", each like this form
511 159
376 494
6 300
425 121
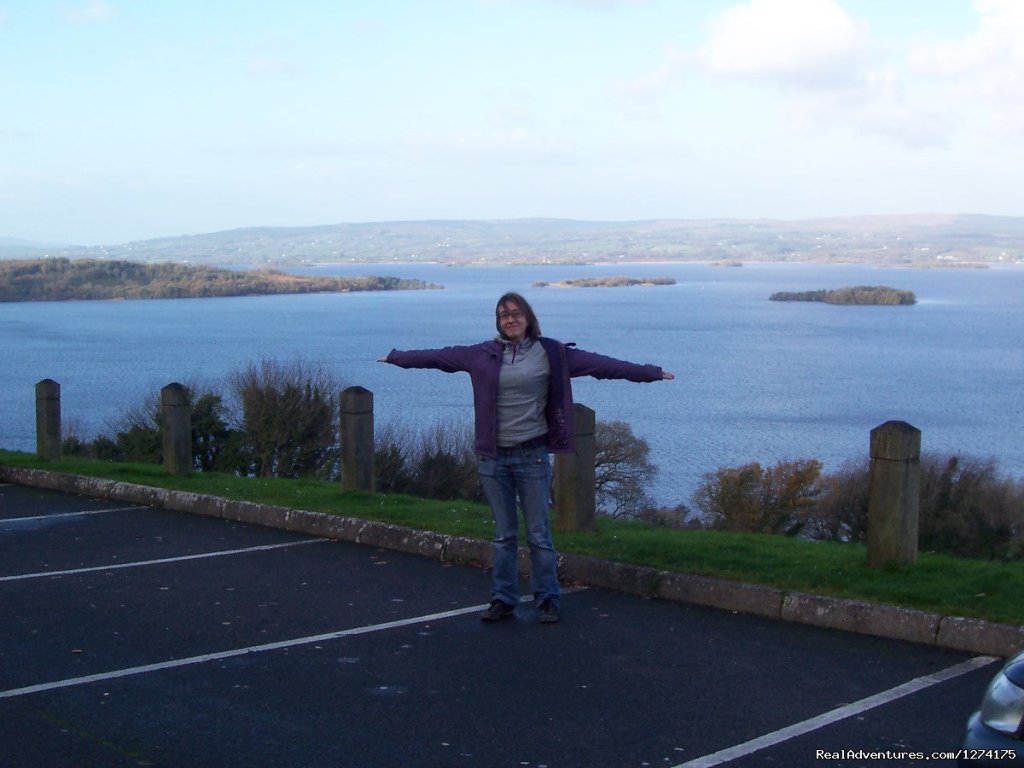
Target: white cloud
271 66
997 43
650 85
827 73
511 146
585 4
812 55
89 12
800 41
982 74
882 105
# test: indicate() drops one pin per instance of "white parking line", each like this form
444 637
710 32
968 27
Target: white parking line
175 663
162 561
59 515
841 713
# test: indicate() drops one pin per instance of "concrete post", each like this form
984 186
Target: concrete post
894 495
176 426
358 470
48 420
575 502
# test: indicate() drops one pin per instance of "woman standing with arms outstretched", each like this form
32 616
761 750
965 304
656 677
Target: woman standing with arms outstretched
523 408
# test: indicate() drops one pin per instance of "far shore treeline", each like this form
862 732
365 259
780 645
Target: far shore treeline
615 281
65 279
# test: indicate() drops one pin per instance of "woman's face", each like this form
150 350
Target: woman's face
512 321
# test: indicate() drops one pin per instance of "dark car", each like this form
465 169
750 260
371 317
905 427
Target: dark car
994 732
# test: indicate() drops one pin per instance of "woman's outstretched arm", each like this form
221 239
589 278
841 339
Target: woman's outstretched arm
447 359
584 363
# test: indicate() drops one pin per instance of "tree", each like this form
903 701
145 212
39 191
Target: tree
728 498
139 438
210 431
140 435
622 470
141 444
749 498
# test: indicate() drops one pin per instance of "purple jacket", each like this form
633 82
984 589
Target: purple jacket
483 363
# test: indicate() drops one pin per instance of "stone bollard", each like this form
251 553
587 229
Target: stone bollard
358 471
575 502
894 495
48 420
176 426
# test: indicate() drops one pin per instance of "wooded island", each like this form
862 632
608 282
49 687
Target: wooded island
65 279
861 294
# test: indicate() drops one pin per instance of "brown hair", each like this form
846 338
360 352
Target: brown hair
532 323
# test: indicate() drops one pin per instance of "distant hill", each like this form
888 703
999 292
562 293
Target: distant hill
919 240
11 246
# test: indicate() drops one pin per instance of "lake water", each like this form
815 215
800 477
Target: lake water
756 380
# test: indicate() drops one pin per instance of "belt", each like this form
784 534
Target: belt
534 442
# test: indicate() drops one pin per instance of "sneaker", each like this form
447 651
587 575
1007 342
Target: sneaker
497 611
547 612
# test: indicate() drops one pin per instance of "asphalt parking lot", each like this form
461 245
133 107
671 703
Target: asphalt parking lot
133 636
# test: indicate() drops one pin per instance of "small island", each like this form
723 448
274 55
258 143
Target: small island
859 295
617 281
87 279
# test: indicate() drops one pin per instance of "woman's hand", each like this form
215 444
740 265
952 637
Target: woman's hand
667 376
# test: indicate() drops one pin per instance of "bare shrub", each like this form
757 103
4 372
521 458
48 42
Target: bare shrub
391 459
841 512
438 463
73 440
289 420
441 463
678 517
968 509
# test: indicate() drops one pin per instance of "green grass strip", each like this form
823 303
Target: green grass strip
947 585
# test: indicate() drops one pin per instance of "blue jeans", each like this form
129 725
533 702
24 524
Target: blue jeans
523 475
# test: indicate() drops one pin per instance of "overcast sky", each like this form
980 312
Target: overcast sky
132 119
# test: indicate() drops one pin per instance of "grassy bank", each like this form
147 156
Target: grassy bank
974 588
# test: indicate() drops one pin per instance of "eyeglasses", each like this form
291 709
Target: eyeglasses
515 314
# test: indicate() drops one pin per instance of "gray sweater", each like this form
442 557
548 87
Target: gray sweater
522 393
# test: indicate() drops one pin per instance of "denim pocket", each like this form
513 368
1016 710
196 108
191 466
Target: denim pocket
486 466
536 463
